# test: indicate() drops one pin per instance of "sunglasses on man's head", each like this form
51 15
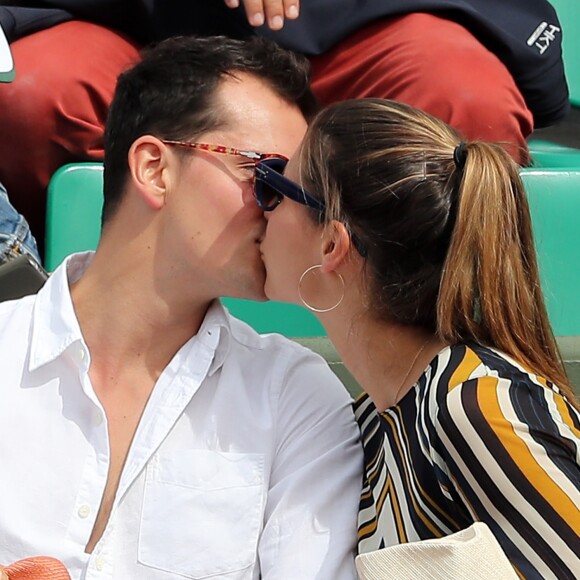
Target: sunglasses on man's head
271 187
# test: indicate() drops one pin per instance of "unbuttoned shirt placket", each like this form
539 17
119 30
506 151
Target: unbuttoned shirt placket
171 395
96 466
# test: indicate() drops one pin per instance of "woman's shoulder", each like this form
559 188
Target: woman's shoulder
473 384
466 377
463 377
468 362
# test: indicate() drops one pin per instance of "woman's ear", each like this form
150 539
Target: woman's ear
336 245
148 163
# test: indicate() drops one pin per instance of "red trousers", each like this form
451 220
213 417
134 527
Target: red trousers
54 111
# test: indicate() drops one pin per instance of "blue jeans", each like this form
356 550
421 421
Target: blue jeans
15 236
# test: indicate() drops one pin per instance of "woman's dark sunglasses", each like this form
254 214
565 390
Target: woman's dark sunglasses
271 187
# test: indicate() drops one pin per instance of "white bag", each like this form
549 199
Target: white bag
470 554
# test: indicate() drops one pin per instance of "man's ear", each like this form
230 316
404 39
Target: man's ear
148 163
336 246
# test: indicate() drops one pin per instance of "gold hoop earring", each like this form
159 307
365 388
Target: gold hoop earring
309 306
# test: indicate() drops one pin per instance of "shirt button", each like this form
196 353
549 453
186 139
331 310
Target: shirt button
84 511
99 563
98 418
82 354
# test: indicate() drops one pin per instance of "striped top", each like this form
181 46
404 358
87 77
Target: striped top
477 439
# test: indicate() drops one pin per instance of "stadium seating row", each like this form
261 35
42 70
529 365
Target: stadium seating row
73 224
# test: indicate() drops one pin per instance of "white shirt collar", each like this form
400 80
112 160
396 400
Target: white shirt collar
216 331
55 326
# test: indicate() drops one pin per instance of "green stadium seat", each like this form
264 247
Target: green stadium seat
73 224
73 211
554 197
546 154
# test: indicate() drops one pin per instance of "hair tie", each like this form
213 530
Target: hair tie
460 155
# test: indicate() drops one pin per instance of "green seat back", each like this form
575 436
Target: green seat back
287 319
548 154
73 211
73 224
554 197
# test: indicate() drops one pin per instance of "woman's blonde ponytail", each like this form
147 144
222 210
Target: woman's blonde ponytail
490 288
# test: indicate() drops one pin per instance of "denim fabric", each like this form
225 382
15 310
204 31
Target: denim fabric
15 236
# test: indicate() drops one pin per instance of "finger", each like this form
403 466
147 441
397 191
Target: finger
254 12
292 9
271 11
275 12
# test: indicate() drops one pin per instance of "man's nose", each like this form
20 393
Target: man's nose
248 195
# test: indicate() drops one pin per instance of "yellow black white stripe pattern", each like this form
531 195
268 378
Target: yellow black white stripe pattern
478 439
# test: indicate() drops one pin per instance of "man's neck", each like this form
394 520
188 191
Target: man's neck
126 320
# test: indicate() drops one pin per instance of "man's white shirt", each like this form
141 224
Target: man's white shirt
246 463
